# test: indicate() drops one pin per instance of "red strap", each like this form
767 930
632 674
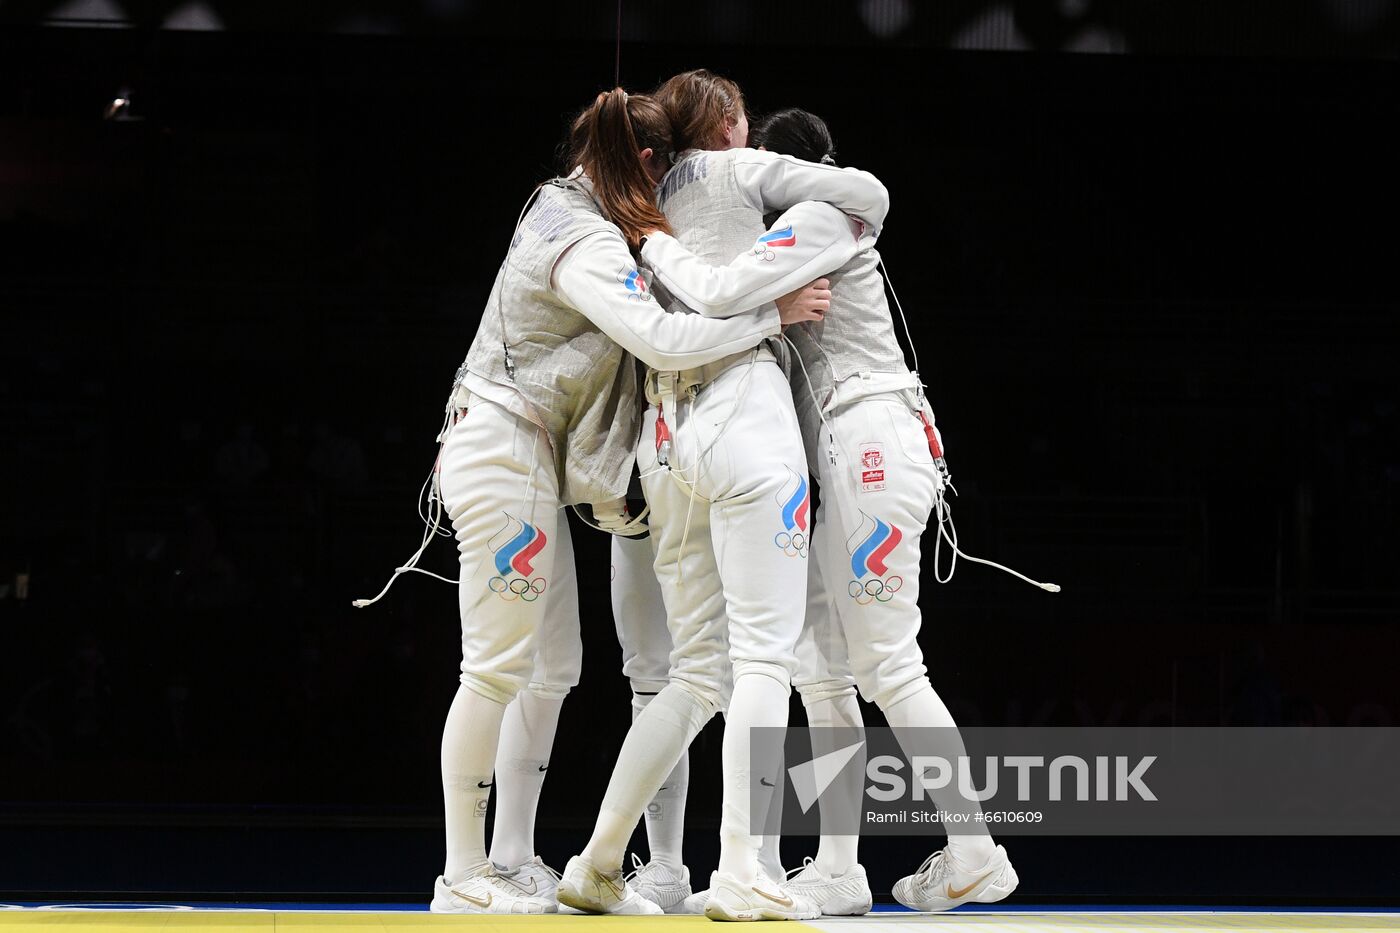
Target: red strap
663 433
933 446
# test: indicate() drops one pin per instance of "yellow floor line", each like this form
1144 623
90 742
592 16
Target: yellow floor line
240 921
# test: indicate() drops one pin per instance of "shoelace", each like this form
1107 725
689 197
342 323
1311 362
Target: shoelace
791 872
539 862
933 868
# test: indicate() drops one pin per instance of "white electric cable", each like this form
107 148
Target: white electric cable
942 508
411 565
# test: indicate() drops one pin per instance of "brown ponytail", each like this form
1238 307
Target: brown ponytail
605 140
701 104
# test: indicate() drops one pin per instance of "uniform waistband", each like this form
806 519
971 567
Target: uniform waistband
659 384
865 385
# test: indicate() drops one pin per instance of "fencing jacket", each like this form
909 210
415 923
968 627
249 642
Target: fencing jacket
853 352
715 201
569 304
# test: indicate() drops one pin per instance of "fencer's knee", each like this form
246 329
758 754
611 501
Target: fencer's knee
710 698
549 691
644 690
777 670
830 688
886 692
499 687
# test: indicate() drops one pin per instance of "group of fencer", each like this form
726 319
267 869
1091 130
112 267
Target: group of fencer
698 303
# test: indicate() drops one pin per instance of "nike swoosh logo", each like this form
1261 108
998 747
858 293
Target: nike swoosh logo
954 895
544 768
479 784
781 902
765 782
483 904
532 889
612 885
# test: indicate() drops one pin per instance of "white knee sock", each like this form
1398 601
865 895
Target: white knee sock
666 813
659 736
770 856
924 710
758 701
837 853
468 749
527 735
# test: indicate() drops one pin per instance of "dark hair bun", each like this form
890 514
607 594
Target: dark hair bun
797 133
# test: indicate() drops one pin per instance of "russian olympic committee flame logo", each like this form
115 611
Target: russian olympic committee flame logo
876 540
778 239
514 547
794 500
636 286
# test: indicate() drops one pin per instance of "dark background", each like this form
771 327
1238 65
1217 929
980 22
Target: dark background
1153 291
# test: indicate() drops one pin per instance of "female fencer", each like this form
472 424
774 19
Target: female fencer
725 475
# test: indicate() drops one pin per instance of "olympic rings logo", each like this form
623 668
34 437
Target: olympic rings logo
517 588
793 545
874 591
763 253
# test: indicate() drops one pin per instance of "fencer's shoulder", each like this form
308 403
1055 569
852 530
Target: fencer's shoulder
690 166
752 156
564 212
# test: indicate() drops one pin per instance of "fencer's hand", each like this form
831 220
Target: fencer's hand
809 303
611 516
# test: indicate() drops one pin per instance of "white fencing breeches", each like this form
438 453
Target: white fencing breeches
639 613
732 557
876 502
518 594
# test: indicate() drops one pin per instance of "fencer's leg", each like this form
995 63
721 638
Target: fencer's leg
665 814
468 743
639 613
770 844
828 690
760 524
489 458
531 720
876 537
665 727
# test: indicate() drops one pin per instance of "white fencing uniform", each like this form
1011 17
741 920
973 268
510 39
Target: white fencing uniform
730 512
854 362
573 309
639 615
734 450
867 434
544 414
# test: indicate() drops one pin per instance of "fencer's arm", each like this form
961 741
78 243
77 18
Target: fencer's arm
591 278
774 182
807 242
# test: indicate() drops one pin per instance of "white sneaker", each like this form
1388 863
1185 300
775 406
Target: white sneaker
665 887
486 894
941 883
583 887
532 879
732 899
1002 885
843 895
695 904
